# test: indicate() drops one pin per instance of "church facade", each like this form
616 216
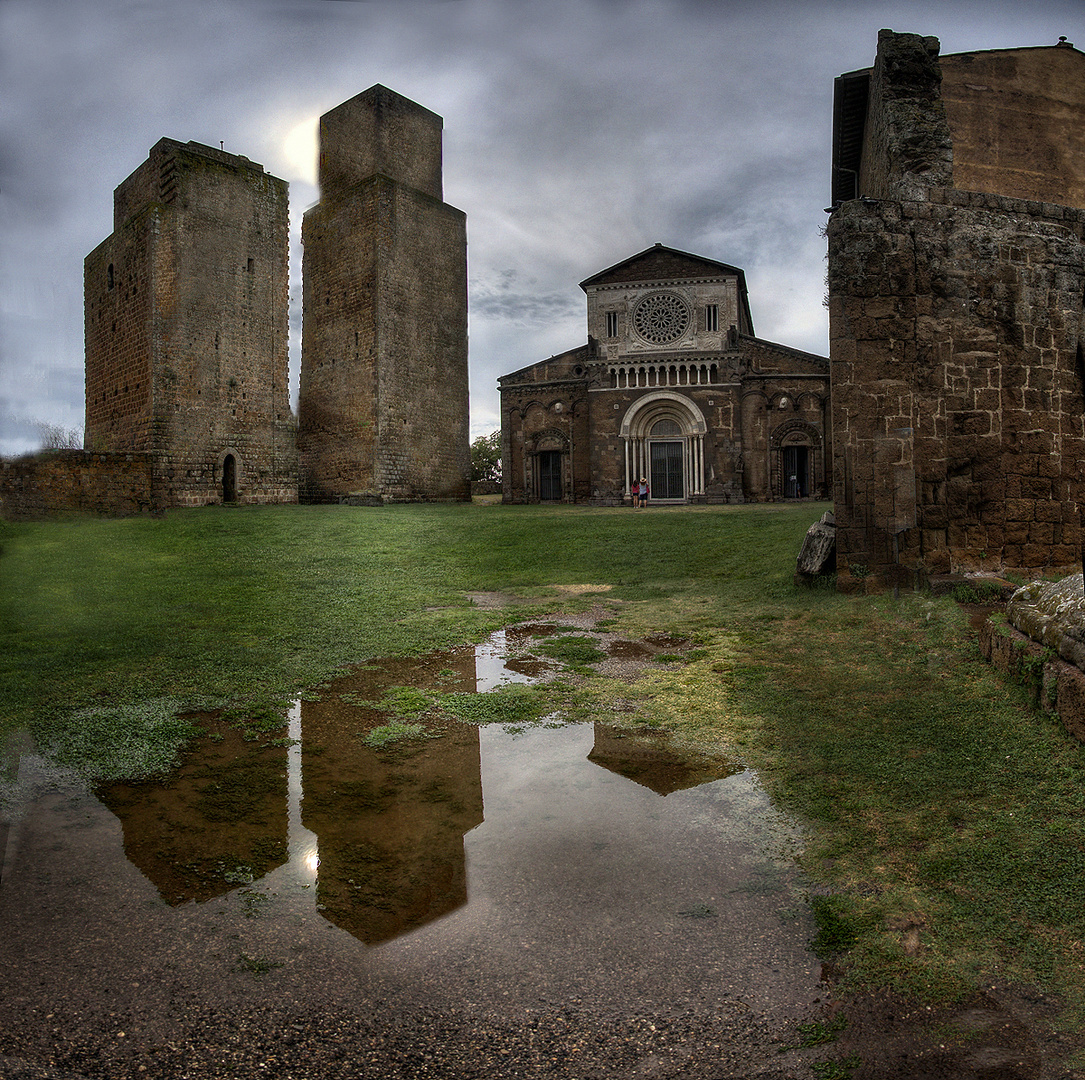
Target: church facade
673 386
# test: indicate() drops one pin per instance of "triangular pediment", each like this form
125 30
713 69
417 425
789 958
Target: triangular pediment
659 263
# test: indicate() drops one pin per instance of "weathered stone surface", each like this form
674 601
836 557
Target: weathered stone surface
1058 685
957 401
186 329
383 405
59 482
1053 614
818 554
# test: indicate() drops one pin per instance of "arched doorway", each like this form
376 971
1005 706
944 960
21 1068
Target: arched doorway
795 460
664 442
229 479
548 467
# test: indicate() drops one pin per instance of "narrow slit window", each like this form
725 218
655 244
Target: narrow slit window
712 318
612 324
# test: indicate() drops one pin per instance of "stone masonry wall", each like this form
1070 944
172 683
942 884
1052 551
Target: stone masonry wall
955 328
76 482
337 405
221 382
186 328
118 285
423 449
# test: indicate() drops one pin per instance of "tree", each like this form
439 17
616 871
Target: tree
486 457
55 437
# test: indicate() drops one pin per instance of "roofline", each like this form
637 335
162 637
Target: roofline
801 354
673 251
979 52
739 273
547 360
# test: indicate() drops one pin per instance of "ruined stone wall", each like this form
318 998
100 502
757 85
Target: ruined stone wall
384 389
907 145
955 329
119 282
76 482
1015 119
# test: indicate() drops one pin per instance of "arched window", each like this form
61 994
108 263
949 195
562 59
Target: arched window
666 429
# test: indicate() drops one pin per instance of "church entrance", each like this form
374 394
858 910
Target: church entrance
664 441
666 479
550 476
796 472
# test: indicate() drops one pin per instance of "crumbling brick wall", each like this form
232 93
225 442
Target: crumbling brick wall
76 482
956 329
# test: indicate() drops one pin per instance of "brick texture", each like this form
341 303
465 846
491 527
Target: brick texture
955 344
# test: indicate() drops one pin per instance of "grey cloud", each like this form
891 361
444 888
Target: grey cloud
576 133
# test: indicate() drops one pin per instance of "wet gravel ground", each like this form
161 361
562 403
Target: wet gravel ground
102 979
99 978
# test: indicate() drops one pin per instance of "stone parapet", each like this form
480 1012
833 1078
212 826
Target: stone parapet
1041 643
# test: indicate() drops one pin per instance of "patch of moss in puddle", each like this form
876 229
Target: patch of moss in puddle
572 650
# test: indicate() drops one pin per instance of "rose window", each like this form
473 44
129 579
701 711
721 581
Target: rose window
661 318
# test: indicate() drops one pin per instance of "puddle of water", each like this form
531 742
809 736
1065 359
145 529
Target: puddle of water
578 855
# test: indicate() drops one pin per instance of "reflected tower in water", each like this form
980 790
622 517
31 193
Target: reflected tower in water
390 821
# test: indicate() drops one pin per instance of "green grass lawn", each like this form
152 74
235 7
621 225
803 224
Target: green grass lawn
946 816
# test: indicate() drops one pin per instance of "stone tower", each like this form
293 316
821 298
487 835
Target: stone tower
383 407
186 328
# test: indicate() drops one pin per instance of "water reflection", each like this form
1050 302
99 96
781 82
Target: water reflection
390 822
219 821
377 833
646 758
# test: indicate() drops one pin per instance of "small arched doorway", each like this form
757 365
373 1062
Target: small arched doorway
229 479
795 460
548 467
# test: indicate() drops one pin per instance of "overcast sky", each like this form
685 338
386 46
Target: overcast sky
577 132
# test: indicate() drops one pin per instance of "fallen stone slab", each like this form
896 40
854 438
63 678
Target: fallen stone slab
818 554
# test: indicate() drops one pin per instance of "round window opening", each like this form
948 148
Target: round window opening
661 318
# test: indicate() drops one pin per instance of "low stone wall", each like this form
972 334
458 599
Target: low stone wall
65 482
1041 644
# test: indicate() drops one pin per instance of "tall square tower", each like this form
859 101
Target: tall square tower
186 328
383 408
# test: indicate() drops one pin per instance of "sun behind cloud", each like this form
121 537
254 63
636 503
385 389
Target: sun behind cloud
300 150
